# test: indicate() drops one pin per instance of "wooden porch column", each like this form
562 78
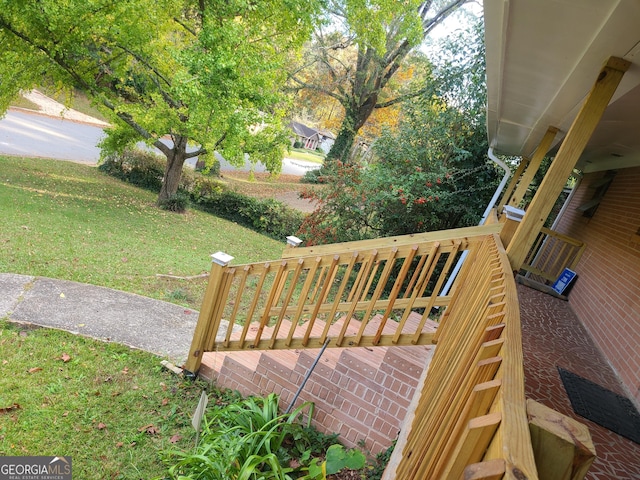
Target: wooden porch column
533 167
566 159
513 182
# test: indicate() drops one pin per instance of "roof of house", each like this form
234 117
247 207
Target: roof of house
543 57
302 130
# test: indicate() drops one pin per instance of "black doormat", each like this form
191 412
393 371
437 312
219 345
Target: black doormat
602 406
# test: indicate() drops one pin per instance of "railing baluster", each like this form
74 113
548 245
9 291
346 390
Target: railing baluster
329 277
395 290
421 284
285 303
384 277
311 273
338 297
367 264
271 299
416 274
437 288
236 305
254 303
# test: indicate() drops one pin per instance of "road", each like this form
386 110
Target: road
33 135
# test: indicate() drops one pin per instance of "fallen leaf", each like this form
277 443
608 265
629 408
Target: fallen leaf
119 445
150 429
65 357
175 438
187 312
101 426
4 362
65 414
10 408
34 369
125 370
165 401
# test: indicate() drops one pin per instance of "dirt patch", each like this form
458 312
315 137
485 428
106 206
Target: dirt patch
285 188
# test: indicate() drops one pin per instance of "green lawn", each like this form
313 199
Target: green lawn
71 221
304 154
111 408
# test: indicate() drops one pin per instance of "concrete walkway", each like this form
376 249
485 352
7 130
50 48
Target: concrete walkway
102 313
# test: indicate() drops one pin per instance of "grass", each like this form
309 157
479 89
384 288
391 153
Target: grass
77 100
24 103
71 221
304 154
111 408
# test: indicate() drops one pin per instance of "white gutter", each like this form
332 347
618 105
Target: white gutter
492 202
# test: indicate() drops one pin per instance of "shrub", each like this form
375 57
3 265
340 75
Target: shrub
317 175
143 169
178 202
268 216
146 170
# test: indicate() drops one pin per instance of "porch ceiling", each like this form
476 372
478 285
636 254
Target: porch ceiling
543 57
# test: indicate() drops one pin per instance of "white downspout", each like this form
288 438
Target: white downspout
492 202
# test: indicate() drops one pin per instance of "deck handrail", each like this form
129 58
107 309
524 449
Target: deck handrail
550 254
470 417
331 292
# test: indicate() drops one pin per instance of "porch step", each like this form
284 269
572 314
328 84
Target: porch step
361 393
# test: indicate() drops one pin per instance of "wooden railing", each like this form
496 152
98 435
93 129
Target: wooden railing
469 419
469 415
551 253
317 295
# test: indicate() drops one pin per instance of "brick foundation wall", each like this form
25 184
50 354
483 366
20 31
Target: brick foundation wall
606 296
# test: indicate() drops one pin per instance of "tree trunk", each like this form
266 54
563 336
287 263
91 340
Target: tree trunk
354 118
173 170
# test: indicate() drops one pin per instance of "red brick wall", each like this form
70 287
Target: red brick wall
606 296
361 394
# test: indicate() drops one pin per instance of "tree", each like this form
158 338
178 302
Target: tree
431 174
205 74
379 34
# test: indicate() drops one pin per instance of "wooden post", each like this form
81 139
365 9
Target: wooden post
560 169
562 446
533 167
506 196
219 261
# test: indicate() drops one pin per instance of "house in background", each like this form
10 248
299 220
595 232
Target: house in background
310 138
543 58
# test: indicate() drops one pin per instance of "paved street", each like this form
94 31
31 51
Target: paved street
35 135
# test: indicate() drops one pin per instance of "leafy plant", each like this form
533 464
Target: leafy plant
251 440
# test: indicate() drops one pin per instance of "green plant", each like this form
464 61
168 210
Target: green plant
381 461
251 440
177 202
267 216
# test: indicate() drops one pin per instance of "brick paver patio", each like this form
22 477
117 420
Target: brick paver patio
554 337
